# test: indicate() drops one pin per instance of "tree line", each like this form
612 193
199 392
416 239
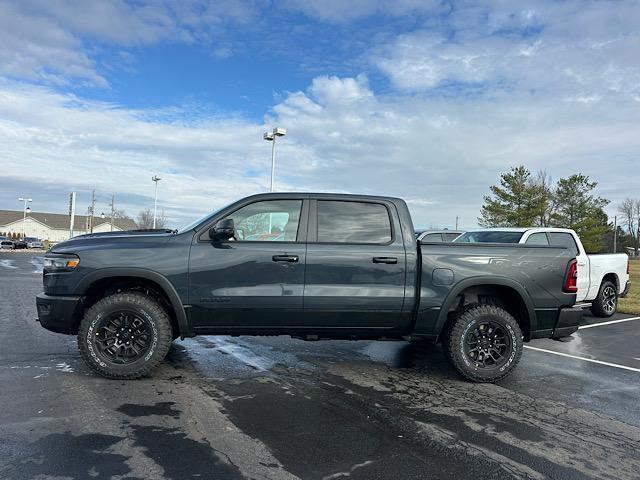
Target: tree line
525 199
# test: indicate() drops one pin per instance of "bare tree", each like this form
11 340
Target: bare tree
145 219
630 211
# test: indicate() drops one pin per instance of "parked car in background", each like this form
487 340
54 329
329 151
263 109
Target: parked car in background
33 242
6 244
19 244
602 278
439 235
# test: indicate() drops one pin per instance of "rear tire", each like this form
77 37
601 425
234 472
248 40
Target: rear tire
606 303
125 336
484 343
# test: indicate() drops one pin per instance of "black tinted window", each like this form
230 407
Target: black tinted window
563 240
353 222
490 237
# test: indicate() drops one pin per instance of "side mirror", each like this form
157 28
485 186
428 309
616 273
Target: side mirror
223 230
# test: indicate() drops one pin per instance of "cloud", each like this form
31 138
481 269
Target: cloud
339 11
545 48
55 41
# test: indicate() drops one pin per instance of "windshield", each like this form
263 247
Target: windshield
490 237
197 222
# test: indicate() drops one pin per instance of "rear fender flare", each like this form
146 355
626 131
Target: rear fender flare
488 281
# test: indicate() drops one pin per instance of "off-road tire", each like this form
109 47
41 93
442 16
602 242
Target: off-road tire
599 306
465 322
145 306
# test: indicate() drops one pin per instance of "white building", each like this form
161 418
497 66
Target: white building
55 226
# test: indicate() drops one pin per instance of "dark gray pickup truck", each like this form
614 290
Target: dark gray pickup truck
313 266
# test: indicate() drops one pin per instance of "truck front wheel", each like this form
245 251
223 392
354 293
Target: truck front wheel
484 343
606 303
125 335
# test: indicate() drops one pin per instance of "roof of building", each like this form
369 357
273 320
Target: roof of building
61 220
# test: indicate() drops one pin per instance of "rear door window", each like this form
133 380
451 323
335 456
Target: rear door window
450 237
432 237
492 236
562 239
537 239
353 222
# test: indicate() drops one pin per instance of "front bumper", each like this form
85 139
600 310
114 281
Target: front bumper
626 290
58 313
568 322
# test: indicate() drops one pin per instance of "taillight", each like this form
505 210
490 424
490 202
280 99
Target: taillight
571 280
627 265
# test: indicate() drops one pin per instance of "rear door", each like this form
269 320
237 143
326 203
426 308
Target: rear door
355 273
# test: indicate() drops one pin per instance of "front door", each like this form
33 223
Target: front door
355 276
255 279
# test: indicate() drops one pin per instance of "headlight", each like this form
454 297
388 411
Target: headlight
61 263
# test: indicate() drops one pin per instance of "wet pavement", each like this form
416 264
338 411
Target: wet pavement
278 408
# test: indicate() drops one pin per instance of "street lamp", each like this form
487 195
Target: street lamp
26 210
155 179
271 137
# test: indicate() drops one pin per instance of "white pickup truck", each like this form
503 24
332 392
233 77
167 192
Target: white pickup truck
602 278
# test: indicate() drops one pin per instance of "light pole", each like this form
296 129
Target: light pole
155 179
271 137
24 212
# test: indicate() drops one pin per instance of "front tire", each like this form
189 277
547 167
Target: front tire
125 336
484 343
606 303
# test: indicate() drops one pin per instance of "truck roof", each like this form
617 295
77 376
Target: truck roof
522 229
355 196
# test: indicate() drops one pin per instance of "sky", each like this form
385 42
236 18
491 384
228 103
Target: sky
426 100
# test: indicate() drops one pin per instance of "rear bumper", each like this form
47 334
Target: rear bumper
58 313
626 289
569 320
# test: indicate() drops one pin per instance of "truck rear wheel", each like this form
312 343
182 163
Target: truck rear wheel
606 303
484 343
125 335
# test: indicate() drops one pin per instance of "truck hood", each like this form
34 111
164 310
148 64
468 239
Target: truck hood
113 239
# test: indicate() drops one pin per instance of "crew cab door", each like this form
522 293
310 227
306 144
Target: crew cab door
355 275
257 278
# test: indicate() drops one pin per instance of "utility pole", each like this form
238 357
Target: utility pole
92 209
113 208
457 217
615 233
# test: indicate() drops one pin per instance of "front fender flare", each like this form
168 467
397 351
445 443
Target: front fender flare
184 324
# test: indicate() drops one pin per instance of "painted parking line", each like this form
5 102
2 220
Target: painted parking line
591 360
608 323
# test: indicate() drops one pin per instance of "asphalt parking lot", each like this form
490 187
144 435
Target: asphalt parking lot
277 408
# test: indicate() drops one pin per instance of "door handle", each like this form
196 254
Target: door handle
285 258
389 260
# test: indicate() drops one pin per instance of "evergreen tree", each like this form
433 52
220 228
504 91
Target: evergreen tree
576 207
519 201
